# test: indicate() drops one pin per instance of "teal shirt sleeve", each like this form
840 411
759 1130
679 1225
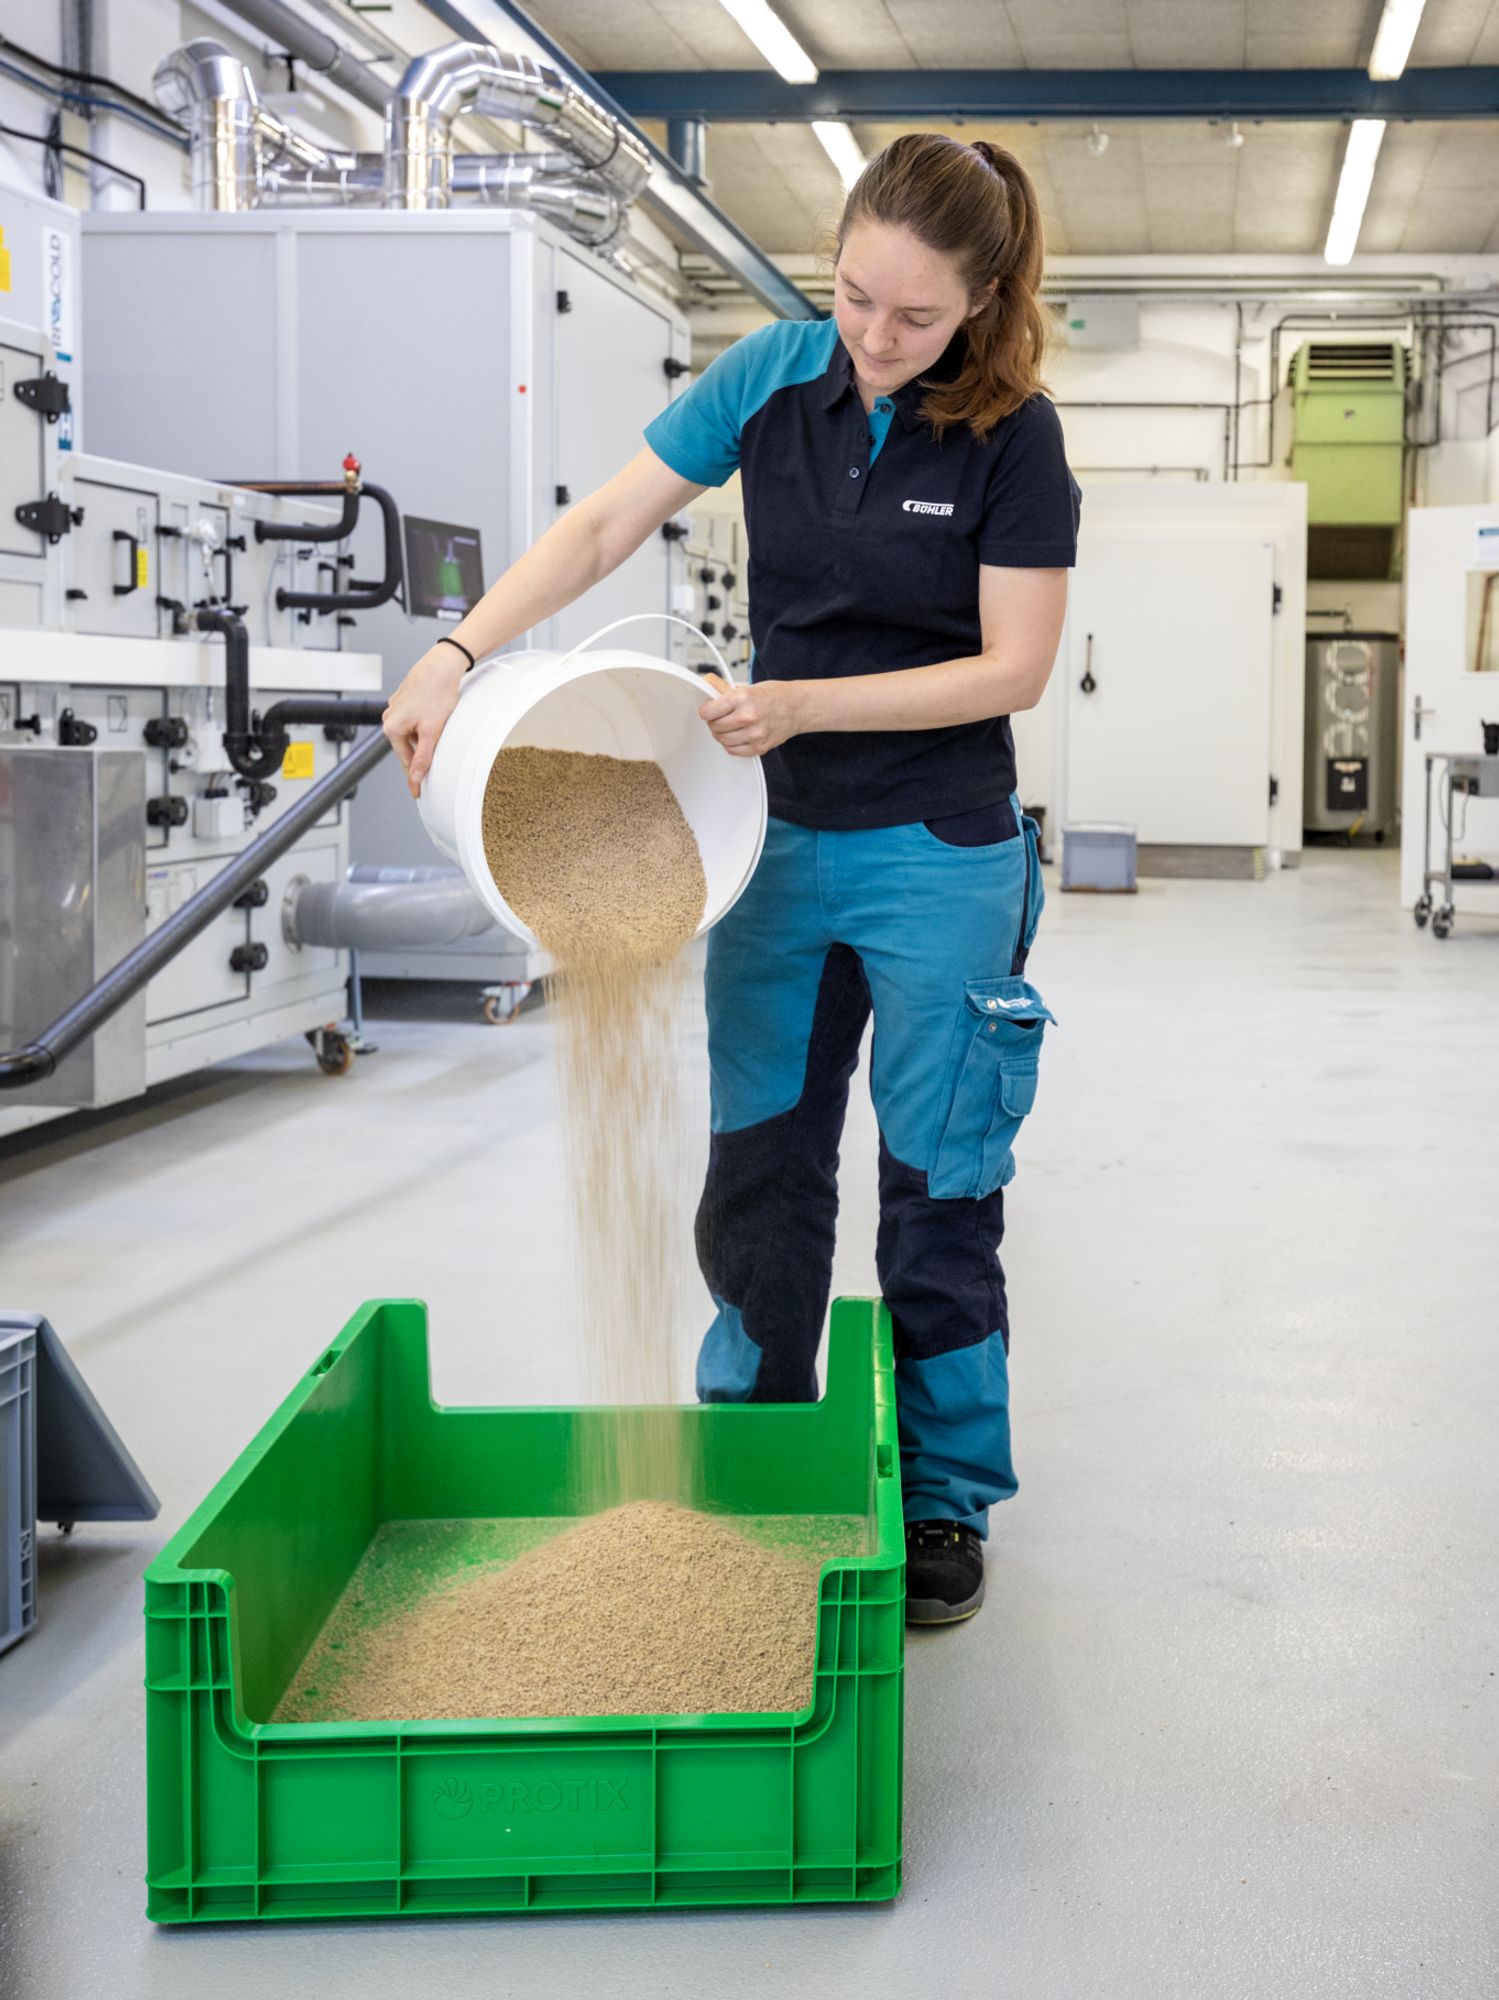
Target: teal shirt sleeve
699 434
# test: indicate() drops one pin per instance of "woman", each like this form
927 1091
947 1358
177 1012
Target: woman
911 520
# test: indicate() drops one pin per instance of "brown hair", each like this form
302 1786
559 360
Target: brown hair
976 205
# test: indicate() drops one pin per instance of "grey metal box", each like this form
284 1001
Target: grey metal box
17 1484
1099 855
72 903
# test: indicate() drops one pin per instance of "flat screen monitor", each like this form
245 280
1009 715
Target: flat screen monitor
444 569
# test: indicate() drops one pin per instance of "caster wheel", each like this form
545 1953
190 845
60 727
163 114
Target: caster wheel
503 1003
1442 921
335 1053
1422 912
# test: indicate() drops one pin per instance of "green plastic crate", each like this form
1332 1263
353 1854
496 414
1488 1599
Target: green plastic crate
255 1819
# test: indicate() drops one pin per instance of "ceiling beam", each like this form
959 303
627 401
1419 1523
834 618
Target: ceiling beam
761 97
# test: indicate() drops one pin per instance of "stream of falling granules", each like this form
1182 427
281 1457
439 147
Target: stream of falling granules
595 854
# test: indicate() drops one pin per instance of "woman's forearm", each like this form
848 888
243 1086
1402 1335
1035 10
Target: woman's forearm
936 697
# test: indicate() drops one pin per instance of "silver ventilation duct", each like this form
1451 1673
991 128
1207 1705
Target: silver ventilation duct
547 182
246 157
239 148
214 96
472 76
344 180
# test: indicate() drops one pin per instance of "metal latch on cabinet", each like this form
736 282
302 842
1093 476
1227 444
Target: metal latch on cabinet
74 733
51 517
46 395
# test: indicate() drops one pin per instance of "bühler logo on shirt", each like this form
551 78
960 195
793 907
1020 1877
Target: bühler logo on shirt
926 506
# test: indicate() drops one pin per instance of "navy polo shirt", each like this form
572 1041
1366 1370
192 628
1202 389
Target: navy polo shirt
865 540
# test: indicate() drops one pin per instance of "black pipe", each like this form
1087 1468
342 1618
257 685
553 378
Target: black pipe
359 597
39 1059
326 709
303 531
256 744
242 743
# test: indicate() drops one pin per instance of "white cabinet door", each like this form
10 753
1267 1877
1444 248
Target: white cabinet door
1173 736
609 381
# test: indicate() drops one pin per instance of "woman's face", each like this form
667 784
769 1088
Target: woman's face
897 304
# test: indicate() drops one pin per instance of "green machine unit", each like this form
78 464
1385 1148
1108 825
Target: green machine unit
1348 399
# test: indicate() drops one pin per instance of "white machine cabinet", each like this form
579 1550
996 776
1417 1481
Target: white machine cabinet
484 368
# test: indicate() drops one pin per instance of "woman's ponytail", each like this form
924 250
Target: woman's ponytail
975 204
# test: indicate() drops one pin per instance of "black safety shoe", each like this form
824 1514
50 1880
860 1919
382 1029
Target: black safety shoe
944 1572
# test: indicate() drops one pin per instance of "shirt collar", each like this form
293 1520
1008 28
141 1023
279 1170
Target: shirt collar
908 399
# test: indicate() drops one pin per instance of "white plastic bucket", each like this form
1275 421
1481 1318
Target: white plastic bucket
615 703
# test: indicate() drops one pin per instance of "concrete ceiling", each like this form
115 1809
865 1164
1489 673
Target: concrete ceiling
1161 186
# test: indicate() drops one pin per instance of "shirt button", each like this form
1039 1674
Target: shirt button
853 472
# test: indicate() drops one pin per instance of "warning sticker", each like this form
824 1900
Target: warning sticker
4 264
297 763
142 568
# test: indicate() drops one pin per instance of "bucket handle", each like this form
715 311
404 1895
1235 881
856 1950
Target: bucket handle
666 618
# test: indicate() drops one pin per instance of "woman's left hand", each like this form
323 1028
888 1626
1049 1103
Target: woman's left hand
748 721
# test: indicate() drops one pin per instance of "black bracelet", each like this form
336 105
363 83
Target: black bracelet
447 639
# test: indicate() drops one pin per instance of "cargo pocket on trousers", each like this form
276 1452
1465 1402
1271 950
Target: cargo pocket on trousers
991 1086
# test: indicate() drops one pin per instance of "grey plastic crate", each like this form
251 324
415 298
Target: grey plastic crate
17 1484
1099 855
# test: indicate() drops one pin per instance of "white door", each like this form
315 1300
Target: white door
1168 688
609 381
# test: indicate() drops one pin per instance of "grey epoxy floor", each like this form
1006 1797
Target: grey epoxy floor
1229 1723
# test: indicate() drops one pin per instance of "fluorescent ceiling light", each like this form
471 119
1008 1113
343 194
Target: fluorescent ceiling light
1364 137
773 39
1393 37
842 148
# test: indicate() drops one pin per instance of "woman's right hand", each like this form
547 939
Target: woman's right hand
418 710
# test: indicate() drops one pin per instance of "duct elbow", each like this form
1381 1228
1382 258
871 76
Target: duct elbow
201 72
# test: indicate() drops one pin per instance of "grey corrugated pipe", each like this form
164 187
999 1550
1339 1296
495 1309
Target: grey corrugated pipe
385 909
213 94
310 45
472 76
